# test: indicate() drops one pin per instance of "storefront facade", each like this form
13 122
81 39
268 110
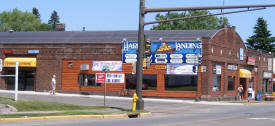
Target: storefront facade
77 59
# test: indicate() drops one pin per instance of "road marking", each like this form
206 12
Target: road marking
262 119
198 121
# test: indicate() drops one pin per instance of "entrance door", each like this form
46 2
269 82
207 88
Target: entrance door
243 83
25 80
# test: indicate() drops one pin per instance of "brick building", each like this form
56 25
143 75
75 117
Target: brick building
73 56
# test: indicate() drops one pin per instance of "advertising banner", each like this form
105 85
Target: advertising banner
251 60
129 52
183 69
112 65
169 52
115 78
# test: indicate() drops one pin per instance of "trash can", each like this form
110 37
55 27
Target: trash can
259 96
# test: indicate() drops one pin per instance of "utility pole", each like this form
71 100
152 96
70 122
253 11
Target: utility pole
142 23
140 102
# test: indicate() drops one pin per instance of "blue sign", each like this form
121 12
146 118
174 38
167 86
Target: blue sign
176 52
33 51
166 52
129 52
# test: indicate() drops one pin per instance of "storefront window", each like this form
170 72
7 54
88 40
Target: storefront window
231 83
87 80
149 81
216 82
267 86
181 82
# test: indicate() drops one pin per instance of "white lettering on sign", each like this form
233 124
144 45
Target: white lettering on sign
176 56
176 61
161 60
180 45
130 60
131 56
130 45
161 56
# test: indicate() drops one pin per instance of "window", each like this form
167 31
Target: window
181 82
231 83
216 78
149 81
87 80
216 83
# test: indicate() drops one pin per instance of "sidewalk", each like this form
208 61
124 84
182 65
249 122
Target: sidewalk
126 98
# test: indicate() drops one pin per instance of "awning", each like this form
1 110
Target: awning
244 73
23 61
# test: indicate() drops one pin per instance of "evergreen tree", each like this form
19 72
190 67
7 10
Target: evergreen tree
206 23
53 20
262 38
35 12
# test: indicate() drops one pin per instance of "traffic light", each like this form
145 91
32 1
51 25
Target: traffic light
144 63
147 48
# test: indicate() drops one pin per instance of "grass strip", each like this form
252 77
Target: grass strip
34 105
48 114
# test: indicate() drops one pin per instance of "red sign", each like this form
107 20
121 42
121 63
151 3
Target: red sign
5 51
100 77
251 60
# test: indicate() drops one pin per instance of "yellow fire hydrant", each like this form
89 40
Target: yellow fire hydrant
135 98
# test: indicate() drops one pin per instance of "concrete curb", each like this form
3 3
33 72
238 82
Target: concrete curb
146 114
62 117
70 117
259 103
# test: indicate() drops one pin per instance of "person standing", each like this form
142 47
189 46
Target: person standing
240 92
249 93
53 84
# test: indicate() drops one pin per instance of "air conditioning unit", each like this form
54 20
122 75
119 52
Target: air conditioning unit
84 67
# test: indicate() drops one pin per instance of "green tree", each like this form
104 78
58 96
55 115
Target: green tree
18 21
53 20
44 27
262 38
35 12
205 23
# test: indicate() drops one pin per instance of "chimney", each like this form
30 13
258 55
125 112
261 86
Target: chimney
60 27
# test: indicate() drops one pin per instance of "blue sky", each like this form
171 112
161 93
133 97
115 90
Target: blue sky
123 14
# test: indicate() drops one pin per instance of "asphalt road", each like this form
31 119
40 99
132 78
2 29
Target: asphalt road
163 114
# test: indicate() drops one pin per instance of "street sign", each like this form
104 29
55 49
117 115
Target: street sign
105 69
100 77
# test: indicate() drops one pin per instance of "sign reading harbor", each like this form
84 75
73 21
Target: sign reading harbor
165 52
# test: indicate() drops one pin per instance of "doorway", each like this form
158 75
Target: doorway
26 79
243 83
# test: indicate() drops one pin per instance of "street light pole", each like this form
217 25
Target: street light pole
140 102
